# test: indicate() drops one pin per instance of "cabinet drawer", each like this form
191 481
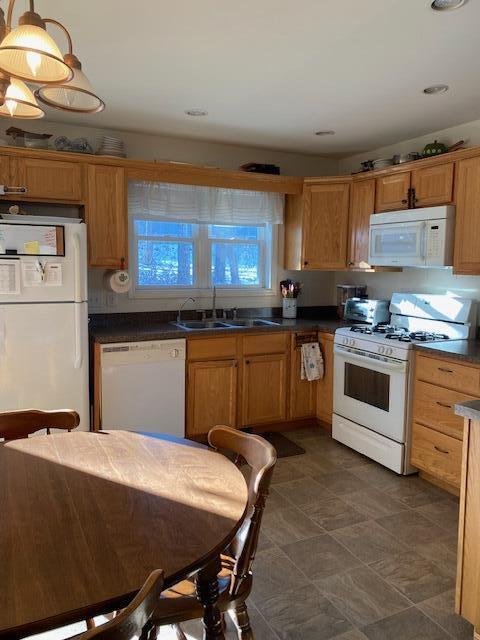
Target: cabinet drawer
434 406
265 343
210 348
448 374
437 454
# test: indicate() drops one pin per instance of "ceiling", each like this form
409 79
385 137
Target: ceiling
271 72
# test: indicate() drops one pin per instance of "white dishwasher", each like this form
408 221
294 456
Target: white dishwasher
143 386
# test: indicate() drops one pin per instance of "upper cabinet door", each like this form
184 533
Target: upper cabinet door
392 192
51 180
433 185
362 205
106 216
466 257
325 230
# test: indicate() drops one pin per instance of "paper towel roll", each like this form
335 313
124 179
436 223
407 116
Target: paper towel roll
118 281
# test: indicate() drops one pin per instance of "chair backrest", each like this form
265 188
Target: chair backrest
21 424
261 457
133 621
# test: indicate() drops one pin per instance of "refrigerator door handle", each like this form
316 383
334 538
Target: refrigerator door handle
77 268
78 357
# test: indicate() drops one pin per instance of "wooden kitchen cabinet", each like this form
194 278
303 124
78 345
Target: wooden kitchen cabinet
325 386
433 185
211 395
316 226
437 433
264 389
303 394
50 180
467 223
106 216
392 192
467 601
362 205
325 232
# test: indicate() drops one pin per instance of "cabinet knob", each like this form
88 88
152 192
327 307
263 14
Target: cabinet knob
305 263
351 264
247 361
404 201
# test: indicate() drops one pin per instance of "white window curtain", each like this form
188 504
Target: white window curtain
210 205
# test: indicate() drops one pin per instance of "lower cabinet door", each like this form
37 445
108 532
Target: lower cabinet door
437 454
325 385
264 389
211 395
303 394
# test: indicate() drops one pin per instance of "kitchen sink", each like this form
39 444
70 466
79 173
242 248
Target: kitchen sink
189 325
201 324
251 322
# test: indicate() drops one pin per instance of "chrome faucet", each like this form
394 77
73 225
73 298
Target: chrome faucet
179 314
214 303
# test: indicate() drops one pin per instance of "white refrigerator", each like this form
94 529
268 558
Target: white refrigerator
43 315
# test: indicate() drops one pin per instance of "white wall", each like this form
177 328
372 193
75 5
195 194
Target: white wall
155 147
317 286
470 132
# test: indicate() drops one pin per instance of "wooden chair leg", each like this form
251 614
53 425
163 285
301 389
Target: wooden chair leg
240 619
90 622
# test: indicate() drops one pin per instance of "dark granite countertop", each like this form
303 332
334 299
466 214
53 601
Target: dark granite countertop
470 409
463 350
149 327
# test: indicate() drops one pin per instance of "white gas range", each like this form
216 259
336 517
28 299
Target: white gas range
373 373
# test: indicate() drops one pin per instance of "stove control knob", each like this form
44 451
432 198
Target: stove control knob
381 349
388 351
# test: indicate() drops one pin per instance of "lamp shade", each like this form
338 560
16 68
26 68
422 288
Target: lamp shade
20 102
29 53
77 95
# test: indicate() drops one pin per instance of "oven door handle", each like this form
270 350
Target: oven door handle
365 360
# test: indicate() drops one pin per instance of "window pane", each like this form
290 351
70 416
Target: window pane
165 264
235 264
232 232
160 228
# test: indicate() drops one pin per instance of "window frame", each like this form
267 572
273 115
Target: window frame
201 239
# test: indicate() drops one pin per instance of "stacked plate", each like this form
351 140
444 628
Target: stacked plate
109 146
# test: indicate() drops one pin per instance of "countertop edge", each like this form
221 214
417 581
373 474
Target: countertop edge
169 332
469 409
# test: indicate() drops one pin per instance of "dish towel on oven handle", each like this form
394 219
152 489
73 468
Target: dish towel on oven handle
312 367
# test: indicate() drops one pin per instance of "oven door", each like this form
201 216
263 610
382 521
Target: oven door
371 390
398 244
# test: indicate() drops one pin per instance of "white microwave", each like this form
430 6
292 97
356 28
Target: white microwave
412 238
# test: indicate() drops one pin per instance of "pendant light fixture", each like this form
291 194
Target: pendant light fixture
20 102
16 99
75 95
28 52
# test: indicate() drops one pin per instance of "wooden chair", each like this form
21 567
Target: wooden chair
135 620
21 424
235 580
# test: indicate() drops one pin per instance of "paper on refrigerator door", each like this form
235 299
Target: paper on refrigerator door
10 277
2 334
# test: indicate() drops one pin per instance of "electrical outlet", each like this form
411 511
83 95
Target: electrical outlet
111 299
95 298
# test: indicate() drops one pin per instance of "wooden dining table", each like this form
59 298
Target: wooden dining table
86 516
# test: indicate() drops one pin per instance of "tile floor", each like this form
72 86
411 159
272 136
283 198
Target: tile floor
351 551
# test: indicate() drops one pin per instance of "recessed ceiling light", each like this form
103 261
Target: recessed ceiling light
196 112
435 89
325 132
447 5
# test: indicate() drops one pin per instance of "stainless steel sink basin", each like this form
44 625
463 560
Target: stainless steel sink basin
201 324
189 325
251 322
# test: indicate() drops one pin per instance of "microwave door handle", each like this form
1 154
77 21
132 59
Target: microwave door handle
424 242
